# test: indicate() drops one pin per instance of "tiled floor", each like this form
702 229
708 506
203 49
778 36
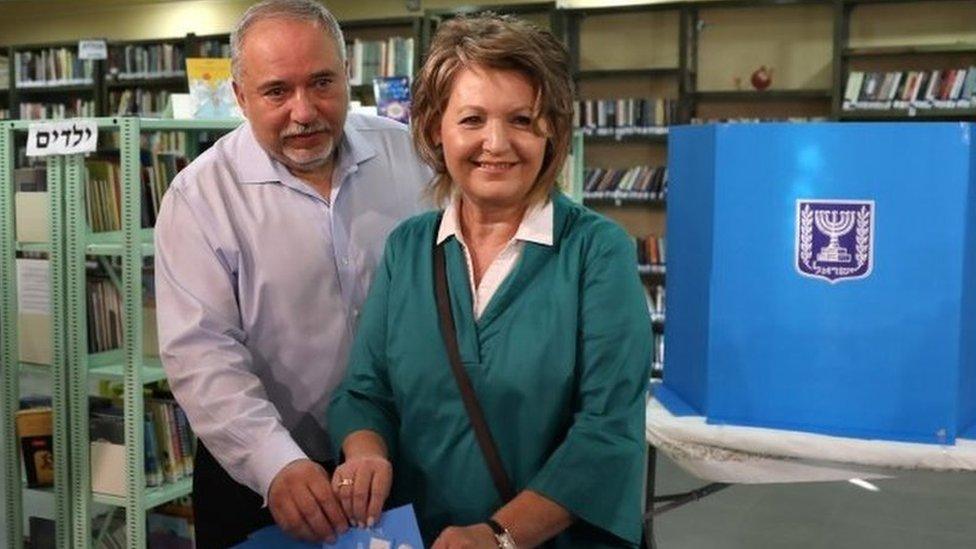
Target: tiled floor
914 510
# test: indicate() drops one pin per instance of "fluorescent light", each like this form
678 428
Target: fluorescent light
864 484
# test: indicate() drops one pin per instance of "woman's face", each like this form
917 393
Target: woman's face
490 148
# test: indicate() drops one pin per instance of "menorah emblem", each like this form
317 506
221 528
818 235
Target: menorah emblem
842 231
834 224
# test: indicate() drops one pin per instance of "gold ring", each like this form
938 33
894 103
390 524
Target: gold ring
345 482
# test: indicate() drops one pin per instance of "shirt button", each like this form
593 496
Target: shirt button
355 313
344 261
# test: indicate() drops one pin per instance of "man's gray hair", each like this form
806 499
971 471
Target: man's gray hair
302 10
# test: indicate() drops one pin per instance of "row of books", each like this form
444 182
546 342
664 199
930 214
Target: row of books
655 302
169 442
369 59
104 313
146 61
138 101
4 72
103 199
651 249
940 89
51 67
213 48
630 112
151 142
55 111
753 120
637 183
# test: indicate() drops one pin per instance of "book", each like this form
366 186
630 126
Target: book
35 433
211 92
393 97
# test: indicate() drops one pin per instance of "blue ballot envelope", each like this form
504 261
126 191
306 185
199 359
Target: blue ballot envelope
396 529
822 278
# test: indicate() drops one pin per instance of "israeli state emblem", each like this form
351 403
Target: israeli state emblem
835 239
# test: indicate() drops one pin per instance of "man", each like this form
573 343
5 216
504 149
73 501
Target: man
265 247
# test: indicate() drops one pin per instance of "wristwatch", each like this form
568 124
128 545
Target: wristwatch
504 539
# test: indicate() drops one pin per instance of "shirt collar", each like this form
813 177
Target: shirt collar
536 224
255 165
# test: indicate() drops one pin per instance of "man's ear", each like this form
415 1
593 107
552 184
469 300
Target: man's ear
239 94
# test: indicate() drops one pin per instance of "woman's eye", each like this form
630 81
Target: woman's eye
523 120
470 120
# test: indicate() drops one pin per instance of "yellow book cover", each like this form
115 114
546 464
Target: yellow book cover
211 92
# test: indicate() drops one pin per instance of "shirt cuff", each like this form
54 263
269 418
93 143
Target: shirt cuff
270 458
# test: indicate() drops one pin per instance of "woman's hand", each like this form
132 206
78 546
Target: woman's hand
362 484
474 536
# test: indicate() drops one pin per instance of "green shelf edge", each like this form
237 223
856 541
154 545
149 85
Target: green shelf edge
153 496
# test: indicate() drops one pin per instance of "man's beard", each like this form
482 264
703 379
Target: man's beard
305 160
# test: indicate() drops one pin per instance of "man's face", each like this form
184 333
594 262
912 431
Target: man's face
294 92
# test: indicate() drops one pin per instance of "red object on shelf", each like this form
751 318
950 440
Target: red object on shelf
762 78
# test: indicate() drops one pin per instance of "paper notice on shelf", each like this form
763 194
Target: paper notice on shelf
65 137
92 49
34 286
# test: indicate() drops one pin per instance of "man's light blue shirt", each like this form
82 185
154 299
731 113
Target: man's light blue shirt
259 282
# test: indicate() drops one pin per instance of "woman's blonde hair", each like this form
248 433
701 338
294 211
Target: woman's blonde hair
499 42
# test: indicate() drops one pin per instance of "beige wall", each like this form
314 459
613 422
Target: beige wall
30 21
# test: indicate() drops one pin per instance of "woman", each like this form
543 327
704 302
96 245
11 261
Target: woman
551 323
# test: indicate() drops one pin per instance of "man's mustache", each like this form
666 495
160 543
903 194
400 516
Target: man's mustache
305 130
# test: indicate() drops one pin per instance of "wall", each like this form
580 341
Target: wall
22 23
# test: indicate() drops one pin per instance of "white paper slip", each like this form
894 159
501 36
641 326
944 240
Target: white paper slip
34 286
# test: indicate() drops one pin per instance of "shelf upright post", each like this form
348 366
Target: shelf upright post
842 30
74 320
135 502
9 354
59 391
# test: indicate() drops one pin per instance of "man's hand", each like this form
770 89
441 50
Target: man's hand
302 502
362 484
477 536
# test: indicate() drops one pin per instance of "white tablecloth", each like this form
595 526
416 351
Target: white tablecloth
753 455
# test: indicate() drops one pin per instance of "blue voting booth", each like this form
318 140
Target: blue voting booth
822 278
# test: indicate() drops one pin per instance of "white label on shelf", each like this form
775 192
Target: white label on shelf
92 49
67 137
34 286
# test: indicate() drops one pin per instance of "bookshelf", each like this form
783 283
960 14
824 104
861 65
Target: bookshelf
627 100
732 40
544 15
48 81
380 47
10 358
140 75
129 246
5 79
75 368
889 69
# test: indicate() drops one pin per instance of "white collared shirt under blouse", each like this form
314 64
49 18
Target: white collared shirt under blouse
536 226
259 282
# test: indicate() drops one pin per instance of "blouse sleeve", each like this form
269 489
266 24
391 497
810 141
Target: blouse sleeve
597 472
364 399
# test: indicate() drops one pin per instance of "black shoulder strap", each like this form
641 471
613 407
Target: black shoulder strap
502 483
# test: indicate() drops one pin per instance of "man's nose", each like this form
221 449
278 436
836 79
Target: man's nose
303 109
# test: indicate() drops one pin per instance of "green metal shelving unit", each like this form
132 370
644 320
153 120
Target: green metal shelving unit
132 244
75 367
9 353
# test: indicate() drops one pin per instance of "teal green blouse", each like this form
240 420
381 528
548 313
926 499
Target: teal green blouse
559 360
